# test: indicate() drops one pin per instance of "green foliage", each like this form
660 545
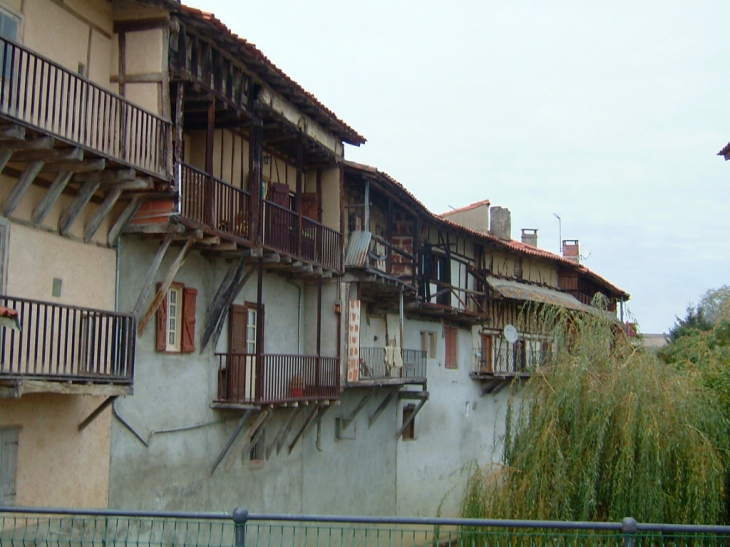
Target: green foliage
611 431
716 304
693 323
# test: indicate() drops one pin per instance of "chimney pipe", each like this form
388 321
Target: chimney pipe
529 236
571 249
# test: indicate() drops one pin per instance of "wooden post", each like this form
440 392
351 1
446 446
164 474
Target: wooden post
317 378
179 120
298 198
210 189
260 332
255 160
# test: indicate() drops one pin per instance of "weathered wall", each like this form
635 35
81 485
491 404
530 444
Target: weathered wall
58 465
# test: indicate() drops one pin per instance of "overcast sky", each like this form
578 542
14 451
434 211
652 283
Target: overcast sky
608 114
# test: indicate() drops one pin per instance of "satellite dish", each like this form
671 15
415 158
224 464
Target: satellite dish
511 334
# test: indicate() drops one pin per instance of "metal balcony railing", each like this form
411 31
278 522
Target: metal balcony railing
67 343
380 364
41 94
277 379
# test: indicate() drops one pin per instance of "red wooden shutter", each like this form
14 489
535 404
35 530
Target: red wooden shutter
188 326
450 342
162 323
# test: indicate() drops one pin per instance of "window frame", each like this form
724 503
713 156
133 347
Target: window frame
185 321
451 345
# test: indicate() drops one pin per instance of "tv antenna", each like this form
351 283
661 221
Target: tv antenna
560 232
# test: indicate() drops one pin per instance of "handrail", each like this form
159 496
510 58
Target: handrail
43 94
64 342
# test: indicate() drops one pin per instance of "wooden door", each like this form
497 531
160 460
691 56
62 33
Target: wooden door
485 358
241 370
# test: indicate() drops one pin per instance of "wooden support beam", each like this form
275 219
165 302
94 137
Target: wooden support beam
155 228
108 176
138 184
280 438
416 410
39 143
307 421
51 196
4 158
162 292
382 406
65 154
241 442
132 207
70 215
12 133
101 212
74 166
236 285
347 420
230 442
99 409
152 273
24 182
258 431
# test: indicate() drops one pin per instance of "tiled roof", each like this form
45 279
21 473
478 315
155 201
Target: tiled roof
269 72
466 208
512 245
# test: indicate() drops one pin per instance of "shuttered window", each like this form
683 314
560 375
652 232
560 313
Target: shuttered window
8 464
176 320
450 345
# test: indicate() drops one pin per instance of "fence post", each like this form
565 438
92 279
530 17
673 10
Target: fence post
240 517
629 528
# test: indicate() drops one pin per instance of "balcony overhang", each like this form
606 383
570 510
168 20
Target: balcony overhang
14 388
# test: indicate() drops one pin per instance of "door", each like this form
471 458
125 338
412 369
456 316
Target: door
241 369
485 355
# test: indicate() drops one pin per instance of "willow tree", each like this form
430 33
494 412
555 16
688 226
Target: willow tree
608 431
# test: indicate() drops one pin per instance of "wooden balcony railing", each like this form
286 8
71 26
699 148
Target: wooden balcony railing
67 343
278 378
380 364
314 243
46 96
218 205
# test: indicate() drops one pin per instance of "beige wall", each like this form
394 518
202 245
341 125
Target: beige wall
331 198
57 464
63 34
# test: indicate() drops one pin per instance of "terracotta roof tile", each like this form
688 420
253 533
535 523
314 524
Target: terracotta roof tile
297 93
516 246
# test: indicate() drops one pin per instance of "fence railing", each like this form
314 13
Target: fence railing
67 343
71 527
382 363
314 242
277 378
214 203
526 356
44 95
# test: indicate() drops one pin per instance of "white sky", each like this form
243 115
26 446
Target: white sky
607 113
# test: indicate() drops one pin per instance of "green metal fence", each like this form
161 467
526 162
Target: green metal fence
91 528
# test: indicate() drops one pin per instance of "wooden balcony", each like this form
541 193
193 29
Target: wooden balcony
66 349
41 95
214 205
380 366
311 241
275 379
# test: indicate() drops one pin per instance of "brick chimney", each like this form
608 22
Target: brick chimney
529 236
571 249
500 224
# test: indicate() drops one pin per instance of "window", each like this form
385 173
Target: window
428 344
243 328
8 464
450 345
258 448
409 433
176 320
8 29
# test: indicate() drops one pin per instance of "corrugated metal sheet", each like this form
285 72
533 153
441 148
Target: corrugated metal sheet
357 249
520 291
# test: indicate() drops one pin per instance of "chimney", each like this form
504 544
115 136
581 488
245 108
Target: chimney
501 223
571 249
529 236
